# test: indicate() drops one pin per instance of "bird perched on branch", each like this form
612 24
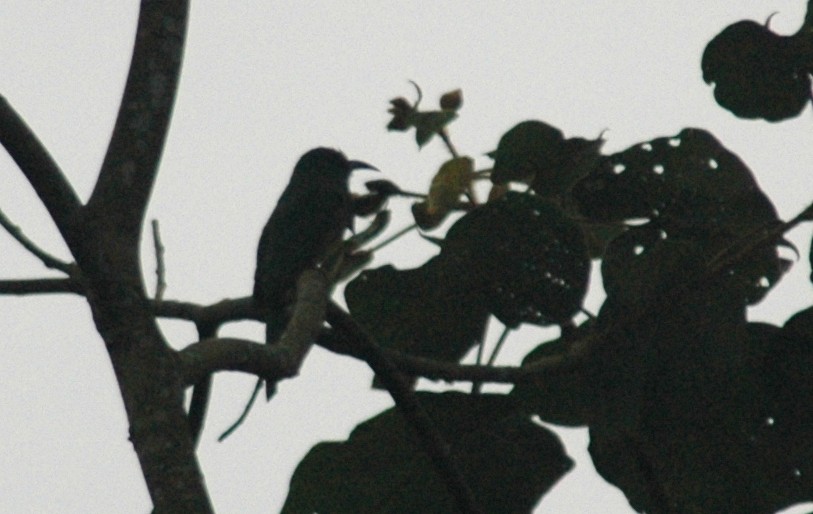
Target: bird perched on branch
310 217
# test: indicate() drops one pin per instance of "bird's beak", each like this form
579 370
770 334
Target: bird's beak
361 165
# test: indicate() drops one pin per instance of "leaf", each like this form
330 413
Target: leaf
449 183
429 123
577 157
421 311
526 148
537 153
695 409
402 112
384 188
565 397
426 123
526 259
639 268
757 73
723 422
365 205
509 462
687 187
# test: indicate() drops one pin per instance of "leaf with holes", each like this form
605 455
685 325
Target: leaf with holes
526 258
687 187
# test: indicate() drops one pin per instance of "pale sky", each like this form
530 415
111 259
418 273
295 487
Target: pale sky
262 83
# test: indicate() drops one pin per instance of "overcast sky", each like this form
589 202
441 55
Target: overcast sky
262 83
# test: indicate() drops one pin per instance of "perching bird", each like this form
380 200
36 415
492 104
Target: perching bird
311 216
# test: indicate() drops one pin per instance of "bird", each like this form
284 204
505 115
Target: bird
310 217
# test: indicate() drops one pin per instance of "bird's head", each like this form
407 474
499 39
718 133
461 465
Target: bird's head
327 164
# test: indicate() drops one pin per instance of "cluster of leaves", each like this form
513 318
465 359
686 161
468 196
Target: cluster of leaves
690 407
759 74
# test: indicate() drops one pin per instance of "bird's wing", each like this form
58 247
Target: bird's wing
301 229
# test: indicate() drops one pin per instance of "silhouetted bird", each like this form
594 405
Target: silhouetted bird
310 217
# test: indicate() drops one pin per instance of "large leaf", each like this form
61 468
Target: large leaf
757 73
527 260
695 410
564 396
508 461
537 153
723 423
687 187
423 311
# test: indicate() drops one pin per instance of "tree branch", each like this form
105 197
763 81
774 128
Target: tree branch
41 286
199 403
47 259
107 253
131 163
42 172
269 362
224 311
201 359
433 442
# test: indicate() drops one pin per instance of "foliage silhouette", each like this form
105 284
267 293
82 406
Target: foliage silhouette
690 406
757 73
508 460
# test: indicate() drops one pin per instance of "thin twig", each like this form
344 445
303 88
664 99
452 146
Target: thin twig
498 346
243 415
160 282
476 387
393 237
47 259
444 135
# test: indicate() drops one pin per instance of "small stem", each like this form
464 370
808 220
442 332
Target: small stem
498 346
444 135
392 238
477 386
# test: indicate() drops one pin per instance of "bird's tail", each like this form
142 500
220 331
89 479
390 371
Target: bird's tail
275 324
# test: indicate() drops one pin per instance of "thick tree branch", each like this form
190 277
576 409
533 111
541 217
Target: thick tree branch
39 168
131 163
107 253
201 359
269 362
